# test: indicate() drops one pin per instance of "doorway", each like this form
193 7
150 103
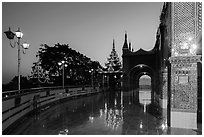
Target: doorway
145 90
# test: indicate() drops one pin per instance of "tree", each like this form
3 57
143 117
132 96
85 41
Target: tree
13 84
77 71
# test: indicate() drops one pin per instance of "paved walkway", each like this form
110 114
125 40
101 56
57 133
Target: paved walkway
102 114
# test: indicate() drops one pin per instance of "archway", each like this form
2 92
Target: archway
139 70
145 81
145 89
136 73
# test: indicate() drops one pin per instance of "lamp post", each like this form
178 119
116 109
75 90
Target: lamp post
10 35
103 82
92 71
62 63
108 80
121 81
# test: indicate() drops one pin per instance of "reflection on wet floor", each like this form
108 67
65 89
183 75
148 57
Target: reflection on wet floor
110 113
145 98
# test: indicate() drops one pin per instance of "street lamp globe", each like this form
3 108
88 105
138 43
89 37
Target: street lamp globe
90 71
9 34
60 63
18 33
25 45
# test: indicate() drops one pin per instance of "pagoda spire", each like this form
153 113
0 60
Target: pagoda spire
113 61
113 45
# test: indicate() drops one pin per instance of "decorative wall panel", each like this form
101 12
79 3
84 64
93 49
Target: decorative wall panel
185 27
184 83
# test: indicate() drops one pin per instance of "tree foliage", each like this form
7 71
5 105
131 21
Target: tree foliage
78 67
13 84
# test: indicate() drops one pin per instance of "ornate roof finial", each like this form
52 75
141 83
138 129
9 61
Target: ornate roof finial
130 46
125 35
125 45
113 45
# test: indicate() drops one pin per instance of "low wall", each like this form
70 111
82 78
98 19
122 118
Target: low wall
15 107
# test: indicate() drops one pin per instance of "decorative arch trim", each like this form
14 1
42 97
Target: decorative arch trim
140 66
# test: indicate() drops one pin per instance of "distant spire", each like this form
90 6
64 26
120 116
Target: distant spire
130 46
125 35
125 45
113 45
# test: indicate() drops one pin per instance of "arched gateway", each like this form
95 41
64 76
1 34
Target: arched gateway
173 64
136 64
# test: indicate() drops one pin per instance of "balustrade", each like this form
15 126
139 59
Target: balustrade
16 105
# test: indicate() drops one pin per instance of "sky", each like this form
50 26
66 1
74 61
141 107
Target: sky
88 27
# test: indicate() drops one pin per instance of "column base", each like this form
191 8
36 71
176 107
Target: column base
185 120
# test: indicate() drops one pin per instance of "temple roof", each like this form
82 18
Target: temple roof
113 64
144 52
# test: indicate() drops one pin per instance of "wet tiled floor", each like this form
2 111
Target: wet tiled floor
103 114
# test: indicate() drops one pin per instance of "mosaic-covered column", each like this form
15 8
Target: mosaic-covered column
164 88
163 93
183 105
184 92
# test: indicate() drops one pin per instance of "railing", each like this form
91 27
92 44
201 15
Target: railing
6 94
16 105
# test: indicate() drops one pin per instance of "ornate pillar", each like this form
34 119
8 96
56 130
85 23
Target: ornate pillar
183 105
164 88
184 92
